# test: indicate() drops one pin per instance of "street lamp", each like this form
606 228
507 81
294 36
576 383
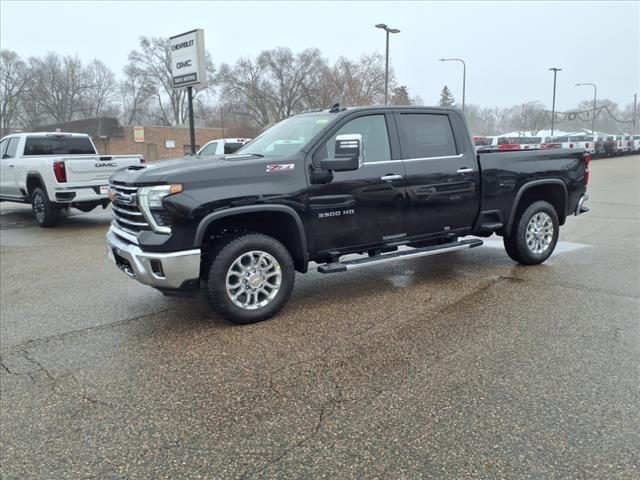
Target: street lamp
386 61
553 105
595 96
464 75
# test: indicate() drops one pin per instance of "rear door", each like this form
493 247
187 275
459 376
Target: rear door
9 167
442 180
364 206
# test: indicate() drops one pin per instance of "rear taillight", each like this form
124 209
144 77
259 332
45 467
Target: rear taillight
509 146
586 145
60 172
587 160
142 160
571 145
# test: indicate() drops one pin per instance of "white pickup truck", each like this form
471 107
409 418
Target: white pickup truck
56 171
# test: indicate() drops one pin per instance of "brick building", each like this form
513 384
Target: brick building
152 142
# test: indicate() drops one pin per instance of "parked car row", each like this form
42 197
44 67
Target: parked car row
602 144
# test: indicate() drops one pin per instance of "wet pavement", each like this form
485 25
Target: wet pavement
463 365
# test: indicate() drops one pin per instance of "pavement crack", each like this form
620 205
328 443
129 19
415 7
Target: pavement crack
80 331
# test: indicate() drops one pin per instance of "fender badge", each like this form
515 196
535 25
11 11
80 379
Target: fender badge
279 167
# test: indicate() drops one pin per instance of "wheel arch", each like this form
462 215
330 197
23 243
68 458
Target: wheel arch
279 221
34 180
552 190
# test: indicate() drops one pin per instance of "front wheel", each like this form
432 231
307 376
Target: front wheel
250 278
47 213
534 234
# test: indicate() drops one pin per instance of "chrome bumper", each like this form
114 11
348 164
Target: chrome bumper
160 270
580 208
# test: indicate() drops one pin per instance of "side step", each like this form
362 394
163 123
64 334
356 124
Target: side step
337 267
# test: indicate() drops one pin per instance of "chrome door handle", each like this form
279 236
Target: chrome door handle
465 170
388 178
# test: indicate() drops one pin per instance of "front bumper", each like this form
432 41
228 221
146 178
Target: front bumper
164 271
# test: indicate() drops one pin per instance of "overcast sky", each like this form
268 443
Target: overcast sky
508 46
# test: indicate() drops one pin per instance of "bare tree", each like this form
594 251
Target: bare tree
59 85
361 82
528 117
102 90
154 61
14 81
135 92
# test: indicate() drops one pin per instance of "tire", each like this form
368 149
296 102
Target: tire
534 249
47 213
231 273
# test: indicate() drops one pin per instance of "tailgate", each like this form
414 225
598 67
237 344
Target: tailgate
92 169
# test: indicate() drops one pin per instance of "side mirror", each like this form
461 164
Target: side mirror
348 154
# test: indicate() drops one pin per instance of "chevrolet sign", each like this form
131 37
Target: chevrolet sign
188 65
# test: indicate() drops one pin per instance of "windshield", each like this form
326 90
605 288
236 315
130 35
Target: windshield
288 136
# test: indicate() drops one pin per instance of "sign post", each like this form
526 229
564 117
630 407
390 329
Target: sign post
189 69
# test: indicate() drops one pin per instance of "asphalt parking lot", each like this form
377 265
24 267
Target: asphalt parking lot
463 365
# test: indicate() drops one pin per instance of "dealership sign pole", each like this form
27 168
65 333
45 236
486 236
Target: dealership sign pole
189 69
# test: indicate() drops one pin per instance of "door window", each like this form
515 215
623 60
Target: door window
375 139
3 147
209 149
426 135
12 147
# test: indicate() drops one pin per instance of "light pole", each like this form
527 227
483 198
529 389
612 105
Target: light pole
595 96
464 75
553 104
389 30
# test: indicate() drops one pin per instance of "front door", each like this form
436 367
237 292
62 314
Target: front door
442 180
364 207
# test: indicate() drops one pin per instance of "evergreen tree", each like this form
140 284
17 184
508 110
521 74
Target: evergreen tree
446 98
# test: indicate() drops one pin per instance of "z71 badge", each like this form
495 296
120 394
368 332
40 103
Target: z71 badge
279 167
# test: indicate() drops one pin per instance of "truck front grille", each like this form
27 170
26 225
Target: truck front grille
124 203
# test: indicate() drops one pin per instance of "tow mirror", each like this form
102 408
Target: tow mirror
348 154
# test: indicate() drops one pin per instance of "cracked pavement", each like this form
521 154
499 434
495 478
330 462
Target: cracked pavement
455 366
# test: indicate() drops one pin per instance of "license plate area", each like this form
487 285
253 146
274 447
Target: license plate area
104 189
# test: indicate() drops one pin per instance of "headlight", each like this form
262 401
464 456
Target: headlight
150 198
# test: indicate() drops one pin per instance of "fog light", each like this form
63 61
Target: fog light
156 268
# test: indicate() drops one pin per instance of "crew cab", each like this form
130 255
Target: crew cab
222 146
56 171
389 183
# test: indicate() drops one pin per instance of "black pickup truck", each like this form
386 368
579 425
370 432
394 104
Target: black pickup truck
390 183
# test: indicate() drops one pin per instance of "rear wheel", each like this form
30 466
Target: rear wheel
534 234
47 213
250 278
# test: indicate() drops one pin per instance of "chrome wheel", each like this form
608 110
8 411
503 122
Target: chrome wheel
253 280
539 233
38 207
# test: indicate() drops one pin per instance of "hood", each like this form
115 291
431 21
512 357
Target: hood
190 168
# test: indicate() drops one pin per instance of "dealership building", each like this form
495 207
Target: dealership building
152 142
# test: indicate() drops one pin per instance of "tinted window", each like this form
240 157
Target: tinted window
481 142
209 149
232 147
426 135
375 138
3 147
58 146
12 147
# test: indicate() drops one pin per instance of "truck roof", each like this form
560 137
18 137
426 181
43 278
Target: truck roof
47 134
338 109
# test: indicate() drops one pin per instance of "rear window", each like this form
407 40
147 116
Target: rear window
561 139
482 142
232 147
58 146
426 135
